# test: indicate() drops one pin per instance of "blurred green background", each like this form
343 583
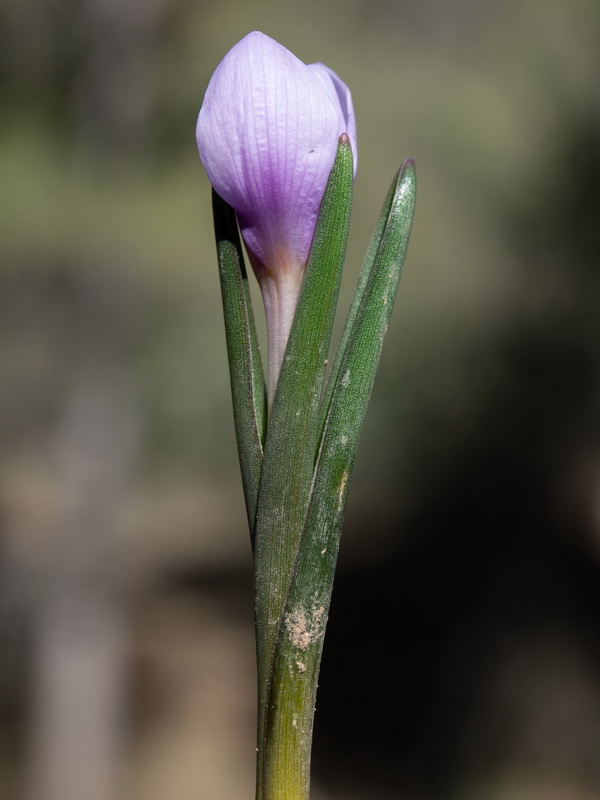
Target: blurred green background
462 658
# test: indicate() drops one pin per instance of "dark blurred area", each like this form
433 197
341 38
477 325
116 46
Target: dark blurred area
462 658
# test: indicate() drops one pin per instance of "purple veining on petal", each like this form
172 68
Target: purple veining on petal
267 134
342 98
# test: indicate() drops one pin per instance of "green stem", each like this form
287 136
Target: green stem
290 728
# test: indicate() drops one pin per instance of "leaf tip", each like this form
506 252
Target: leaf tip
408 170
406 180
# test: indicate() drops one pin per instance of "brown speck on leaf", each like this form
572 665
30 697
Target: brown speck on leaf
305 627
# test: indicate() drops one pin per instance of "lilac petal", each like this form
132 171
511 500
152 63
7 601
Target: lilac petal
267 135
340 96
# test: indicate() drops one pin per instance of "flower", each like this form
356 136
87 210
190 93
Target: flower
267 135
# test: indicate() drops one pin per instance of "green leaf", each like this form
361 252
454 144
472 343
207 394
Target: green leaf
292 436
303 623
363 279
248 389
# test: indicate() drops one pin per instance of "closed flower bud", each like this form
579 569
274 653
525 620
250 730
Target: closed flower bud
267 135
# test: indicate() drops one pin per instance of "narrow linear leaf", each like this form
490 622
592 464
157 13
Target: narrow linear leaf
292 435
303 624
248 388
363 279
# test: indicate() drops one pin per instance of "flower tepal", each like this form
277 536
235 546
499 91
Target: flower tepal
267 134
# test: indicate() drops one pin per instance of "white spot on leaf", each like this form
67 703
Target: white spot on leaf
305 627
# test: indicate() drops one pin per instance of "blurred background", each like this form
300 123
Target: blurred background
462 659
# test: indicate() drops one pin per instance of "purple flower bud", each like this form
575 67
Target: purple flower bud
267 134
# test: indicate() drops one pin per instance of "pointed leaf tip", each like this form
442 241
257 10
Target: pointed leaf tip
408 170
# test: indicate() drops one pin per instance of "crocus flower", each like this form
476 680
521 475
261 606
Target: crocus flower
267 134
